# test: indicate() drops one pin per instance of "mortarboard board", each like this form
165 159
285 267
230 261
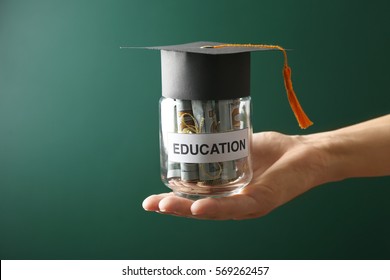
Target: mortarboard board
216 71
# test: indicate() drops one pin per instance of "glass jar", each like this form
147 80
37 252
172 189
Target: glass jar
205 146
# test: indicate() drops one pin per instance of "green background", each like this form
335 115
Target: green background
79 126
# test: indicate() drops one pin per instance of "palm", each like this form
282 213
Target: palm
279 175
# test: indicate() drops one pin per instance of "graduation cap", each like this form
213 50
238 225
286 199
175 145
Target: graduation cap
217 71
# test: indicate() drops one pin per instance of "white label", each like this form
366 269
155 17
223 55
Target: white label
208 148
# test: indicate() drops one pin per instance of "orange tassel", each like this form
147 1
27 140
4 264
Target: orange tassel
303 120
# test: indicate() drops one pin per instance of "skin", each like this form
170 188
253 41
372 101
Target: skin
287 166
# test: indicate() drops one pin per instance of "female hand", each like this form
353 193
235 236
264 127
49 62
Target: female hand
283 166
287 166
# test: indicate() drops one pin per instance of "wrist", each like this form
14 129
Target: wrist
326 153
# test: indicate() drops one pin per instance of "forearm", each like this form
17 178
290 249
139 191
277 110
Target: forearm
361 150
